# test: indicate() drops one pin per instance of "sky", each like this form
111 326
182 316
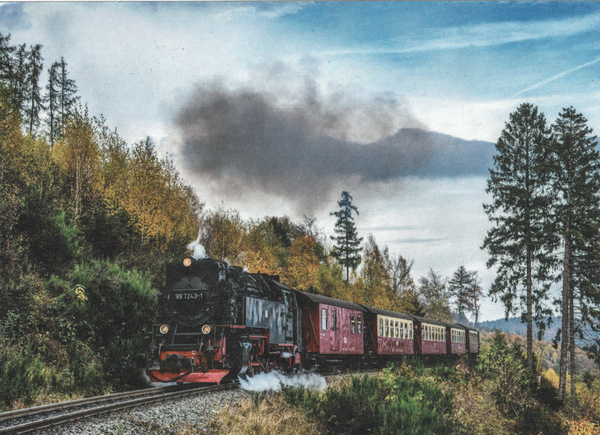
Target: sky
275 108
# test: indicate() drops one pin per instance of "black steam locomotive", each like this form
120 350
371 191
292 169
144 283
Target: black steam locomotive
223 322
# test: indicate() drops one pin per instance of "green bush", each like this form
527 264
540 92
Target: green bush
389 404
23 375
116 322
506 367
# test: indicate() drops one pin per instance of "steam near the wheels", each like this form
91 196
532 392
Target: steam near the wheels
300 147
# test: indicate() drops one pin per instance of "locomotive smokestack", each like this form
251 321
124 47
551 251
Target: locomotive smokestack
198 250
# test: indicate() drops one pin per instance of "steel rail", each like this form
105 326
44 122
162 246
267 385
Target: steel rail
86 401
53 421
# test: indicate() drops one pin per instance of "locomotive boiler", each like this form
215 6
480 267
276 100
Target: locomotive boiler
222 322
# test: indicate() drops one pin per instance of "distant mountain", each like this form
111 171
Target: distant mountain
429 154
515 326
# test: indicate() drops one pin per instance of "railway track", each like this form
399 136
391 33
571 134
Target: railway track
41 417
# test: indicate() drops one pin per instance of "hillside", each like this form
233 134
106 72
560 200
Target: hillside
515 326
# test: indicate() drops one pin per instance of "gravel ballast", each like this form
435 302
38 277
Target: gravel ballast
167 417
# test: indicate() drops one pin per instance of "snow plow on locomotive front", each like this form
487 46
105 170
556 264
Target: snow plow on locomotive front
221 322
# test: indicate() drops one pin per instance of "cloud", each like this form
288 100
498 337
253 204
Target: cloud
300 150
480 35
13 17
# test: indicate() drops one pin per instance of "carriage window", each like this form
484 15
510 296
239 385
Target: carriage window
397 330
401 330
359 324
381 327
324 319
387 328
410 331
352 324
333 320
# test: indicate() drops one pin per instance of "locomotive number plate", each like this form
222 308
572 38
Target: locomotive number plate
188 296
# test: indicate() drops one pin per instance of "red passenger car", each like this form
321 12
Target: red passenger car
430 336
332 328
472 337
458 339
389 333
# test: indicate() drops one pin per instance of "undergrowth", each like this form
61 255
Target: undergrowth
494 395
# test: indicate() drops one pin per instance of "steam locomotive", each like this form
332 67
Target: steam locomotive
222 321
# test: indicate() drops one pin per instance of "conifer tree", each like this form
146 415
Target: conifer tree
459 287
576 183
52 102
347 248
34 95
520 200
67 101
20 78
6 61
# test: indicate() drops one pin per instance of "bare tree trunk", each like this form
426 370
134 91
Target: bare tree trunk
564 351
572 351
529 313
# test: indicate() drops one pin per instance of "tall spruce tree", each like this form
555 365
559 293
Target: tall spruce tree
6 60
347 248
51 100
459 287
517 242
34 94
576 184
67 101
20 79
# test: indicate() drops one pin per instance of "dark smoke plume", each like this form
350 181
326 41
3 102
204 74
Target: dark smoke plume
247 140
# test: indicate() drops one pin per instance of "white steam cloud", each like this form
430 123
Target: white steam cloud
197 248
273 381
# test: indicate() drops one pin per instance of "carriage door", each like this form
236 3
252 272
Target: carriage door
335 336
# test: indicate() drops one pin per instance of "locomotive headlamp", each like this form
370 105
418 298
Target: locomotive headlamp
206 329
187 262
164 329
